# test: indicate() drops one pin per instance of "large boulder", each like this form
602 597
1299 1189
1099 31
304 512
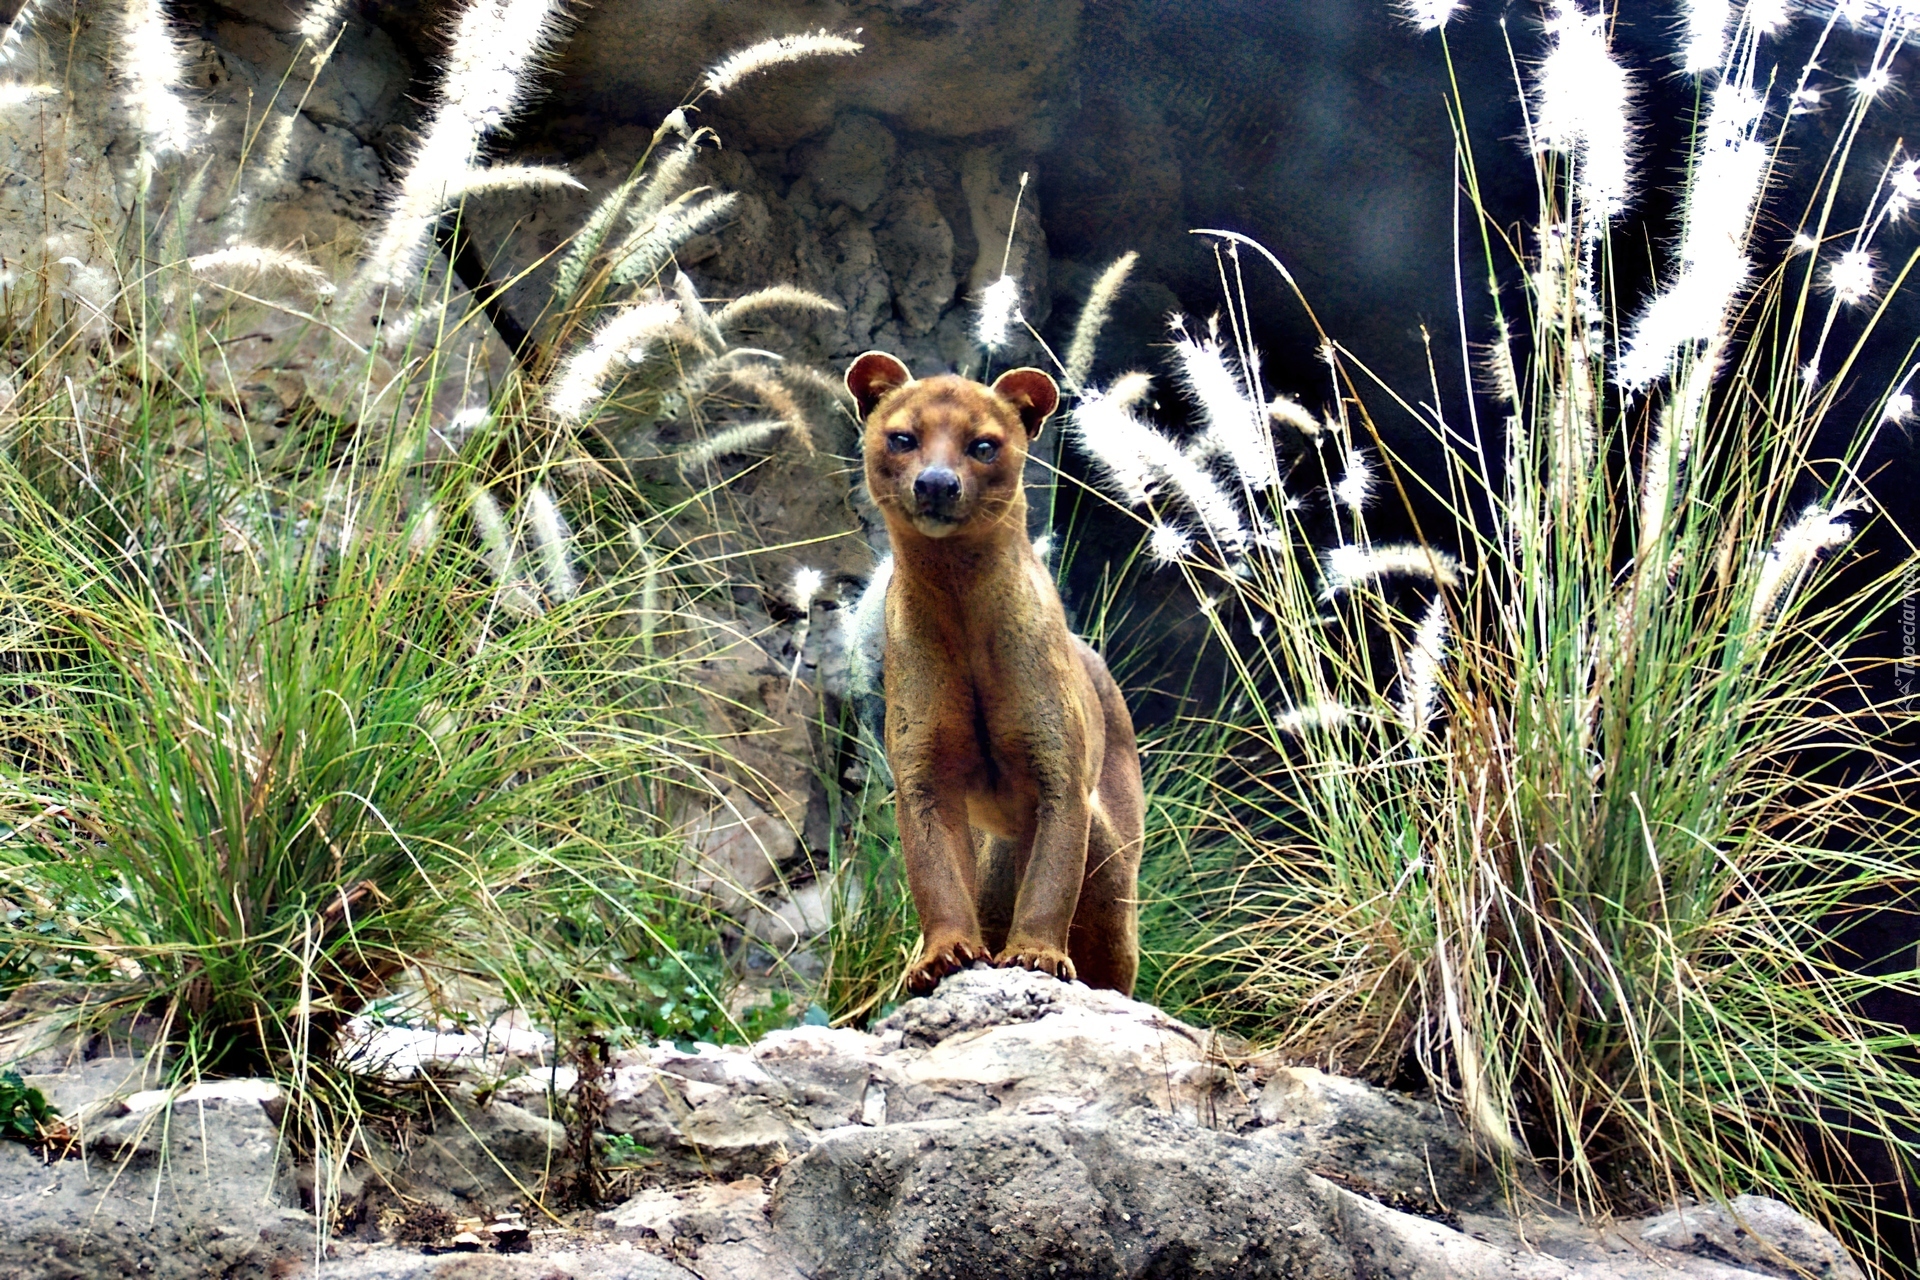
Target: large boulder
185 1187
1015 1126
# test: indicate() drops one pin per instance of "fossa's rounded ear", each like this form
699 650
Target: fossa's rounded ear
872 376
1032 392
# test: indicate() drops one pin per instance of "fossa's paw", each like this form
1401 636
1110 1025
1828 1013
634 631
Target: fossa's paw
1040 959
940 959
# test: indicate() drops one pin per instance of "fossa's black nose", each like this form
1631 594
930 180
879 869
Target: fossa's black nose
937 489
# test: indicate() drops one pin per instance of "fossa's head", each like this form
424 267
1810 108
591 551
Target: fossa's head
943 454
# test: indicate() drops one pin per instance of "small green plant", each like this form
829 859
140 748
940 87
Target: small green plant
624 1152
25 1113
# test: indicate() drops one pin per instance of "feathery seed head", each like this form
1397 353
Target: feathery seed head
318 22
730 71
491 525
1851 277
779 297
1802 243
154 67
508 177
496 45
1355 486
651 244
1874 83
1315 716
1420 674
14 95
1729 171
1706 34
554 539
425 533
1093 318
255 259
1043 547
1235 426
578 387
1580 110
807 582
743 437
1352 565
1428 15
1793 552
1905 181
1898 409
999 305
1504 377
1287 410
465 423
1168 544
1138 461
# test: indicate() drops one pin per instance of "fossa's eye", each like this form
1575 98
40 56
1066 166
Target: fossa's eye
900 442
983 450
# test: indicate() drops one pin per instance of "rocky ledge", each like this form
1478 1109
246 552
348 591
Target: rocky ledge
1008 1126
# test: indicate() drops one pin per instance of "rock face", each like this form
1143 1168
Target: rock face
1009 1125
190 1189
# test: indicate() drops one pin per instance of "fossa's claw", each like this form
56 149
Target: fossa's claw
1040 960
939 961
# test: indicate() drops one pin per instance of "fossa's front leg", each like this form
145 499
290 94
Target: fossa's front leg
1056 744
929 767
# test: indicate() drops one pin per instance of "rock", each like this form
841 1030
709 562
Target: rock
1756 1232
88 1091
949 68
482 1159
737 850
790 924
186 1188
1405 1151
1019 1196
1016 1126
501 1048
916 247
851 167
579 1261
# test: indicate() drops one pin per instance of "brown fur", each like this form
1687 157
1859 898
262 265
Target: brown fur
1020 803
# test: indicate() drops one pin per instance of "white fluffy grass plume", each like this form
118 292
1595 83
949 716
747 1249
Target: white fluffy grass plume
999 305
1580 109
1141 463
1236 425
778 51
1429 15
1729 172
321 17
496 46
1352 565
555 542
1793 553
153 67
247 259
14 95
1093 318
624 337
1420 670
